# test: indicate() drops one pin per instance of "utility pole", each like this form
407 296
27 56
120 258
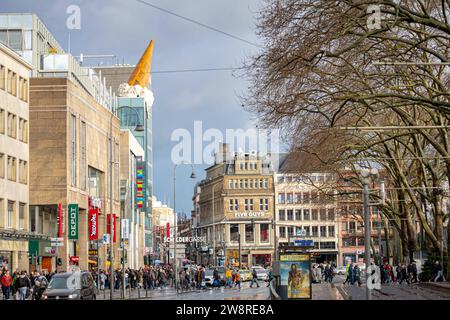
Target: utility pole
111 254
367 236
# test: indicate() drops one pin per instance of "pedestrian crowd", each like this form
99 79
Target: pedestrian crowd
323 272
22 286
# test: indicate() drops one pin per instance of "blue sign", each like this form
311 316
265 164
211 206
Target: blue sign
304 243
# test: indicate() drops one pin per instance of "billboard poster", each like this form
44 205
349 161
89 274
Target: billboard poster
93 224
140 184
73 221
296 275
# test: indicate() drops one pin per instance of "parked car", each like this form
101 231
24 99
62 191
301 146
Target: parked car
209 277
261 273
340 270
70 286
246 275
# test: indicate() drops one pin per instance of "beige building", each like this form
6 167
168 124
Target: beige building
163 216
307 210
130 153
236 210
70 164
14 160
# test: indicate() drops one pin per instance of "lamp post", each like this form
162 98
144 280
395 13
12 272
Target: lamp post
139 128
213 224
193 176
365 180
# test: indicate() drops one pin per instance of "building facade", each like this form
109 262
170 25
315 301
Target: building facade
163 222
237 210
70 165
130 154
307 209
14 160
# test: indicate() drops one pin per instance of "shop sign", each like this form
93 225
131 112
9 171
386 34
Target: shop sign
93 224
73 221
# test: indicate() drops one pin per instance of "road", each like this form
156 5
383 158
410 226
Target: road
392 291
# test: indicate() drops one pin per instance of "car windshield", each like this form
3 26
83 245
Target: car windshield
67 282
209 272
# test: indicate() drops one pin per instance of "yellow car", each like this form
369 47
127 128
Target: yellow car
246 275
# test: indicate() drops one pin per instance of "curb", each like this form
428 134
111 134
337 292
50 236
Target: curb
343 293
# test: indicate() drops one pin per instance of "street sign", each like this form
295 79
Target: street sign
125 228
57 244
304 243
56 239
106 238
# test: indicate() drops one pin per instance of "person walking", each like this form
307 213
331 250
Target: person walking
228 277
437 271
6 285
357 275
102 280
349 274
254 278
237 279
23 285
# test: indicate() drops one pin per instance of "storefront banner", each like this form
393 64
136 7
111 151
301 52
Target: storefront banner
73 221
108 226
93 224
125 228
60 220
296 275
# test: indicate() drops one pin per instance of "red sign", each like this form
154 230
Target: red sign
93 224
74 260
168 230
60 220
108 226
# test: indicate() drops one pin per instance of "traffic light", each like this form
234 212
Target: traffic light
59 262
121 260
145 260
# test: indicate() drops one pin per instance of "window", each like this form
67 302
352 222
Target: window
266 183
331 215
83 155
352 226
289 198
255 166
12 126
240 184
23 171
12 168
298 231
298 214
95 182
281 215
349 242
315 231
260 183
12 82
328 245
314 215
245 165
282 231
298 198
2 165
261 204
266 204
290 214
344 226
305 197
250 165
360 241
116 172
249 233
307 231
323 231
235 184
23 130
73 150
248 204
281 198
331 231
2 74
2 120
234 232
246 183
21 216
323 214
241 166
264 232
314 197
251 183
306 215
231 204
289 179
230 184
290 231
10 214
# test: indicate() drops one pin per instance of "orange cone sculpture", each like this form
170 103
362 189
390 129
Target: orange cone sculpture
141 74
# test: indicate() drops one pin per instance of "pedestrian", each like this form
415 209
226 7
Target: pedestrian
270 277
228 278
237 279
23 285
254 278
437 271
6 284
357 275
102 280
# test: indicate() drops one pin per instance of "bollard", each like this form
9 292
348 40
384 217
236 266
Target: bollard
146 291
139 292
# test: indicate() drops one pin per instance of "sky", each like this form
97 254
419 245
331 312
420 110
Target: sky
124 28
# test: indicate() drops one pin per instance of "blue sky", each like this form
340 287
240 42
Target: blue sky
124 28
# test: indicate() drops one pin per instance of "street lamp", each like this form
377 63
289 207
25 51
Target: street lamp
365 180
139 128
192 176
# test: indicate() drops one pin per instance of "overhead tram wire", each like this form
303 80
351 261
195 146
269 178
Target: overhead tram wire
198 23
174 71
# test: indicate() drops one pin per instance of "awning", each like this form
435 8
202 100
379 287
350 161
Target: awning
92 261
